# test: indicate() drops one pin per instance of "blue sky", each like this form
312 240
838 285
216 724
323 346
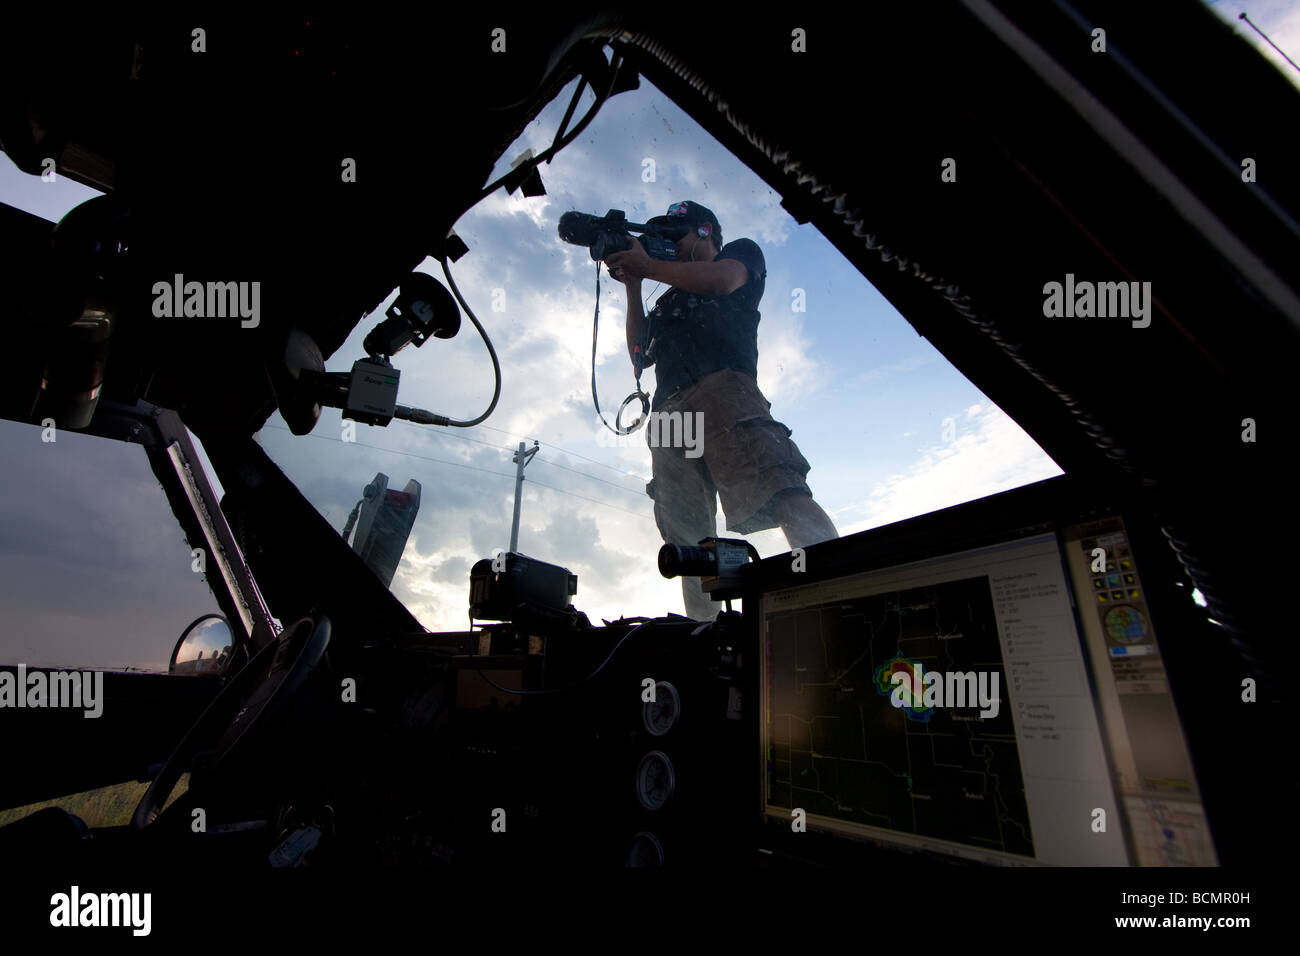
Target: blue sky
866 397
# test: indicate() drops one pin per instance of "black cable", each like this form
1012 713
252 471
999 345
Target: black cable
561 690
496 365
616 63
644 310
645 399
573 105
420 415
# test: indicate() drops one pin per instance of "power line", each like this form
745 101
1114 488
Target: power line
630 491
626 474
544 444
457 464
549 444
1243 16
394 451
636 514
541 461
446 434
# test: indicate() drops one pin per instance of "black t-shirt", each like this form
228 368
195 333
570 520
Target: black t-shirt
695 335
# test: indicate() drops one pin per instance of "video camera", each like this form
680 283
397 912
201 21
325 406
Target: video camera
609 233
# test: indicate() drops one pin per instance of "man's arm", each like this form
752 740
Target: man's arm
703 278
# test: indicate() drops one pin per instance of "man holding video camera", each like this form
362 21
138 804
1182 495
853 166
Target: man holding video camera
702 337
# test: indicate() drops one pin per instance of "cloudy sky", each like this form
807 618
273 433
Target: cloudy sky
96 571
866 398
1280 19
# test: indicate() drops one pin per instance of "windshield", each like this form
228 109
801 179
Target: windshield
97 572
888 428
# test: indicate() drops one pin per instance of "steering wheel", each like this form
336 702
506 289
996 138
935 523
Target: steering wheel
261 688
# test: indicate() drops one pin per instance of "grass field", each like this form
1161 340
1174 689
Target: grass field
105 807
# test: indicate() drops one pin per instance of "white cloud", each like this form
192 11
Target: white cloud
599 524
786 369
991 455
501 205
1278 19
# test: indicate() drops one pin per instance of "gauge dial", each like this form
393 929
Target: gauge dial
645 850
655 780
659 715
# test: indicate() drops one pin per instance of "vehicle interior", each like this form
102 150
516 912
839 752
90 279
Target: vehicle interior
1131 607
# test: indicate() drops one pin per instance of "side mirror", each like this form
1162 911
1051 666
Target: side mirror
203 648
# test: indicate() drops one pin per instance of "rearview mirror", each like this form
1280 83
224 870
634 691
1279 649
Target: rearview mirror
204 647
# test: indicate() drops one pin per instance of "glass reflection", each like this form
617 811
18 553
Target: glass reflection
205 648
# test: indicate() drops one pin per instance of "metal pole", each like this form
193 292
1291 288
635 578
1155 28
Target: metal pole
520 460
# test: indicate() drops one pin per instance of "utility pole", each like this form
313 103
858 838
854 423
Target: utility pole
521 458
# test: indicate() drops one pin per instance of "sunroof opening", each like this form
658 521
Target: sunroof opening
891 430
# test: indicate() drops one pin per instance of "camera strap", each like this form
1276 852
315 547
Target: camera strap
618 427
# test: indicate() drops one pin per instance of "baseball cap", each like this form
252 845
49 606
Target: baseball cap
690 214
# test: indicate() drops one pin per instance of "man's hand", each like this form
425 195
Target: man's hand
632 265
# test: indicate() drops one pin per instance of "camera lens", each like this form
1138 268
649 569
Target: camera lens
682 561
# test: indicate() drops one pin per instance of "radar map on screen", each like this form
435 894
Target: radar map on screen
839 747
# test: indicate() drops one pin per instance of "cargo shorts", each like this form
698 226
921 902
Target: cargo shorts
740 454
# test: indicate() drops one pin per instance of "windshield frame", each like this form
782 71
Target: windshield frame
176 464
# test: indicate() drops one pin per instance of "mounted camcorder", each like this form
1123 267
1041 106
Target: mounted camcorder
607 234
716 561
